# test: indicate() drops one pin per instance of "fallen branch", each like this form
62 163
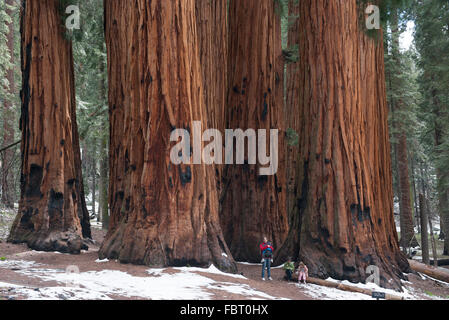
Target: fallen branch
436 273
345 287
10 146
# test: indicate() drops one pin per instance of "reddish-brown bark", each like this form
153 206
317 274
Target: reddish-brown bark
254 206
211 18
161 214
344 168
49 209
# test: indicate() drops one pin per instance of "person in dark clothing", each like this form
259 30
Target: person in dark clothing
266 250
289 268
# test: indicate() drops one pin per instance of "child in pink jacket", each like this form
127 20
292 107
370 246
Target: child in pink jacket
303 273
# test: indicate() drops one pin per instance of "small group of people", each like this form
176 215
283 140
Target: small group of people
267 250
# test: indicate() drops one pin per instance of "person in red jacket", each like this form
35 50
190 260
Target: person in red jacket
266 250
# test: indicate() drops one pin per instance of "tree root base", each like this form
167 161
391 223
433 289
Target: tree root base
63 242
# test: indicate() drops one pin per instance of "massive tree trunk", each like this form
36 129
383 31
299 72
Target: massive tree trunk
254 206
51 195
345 183
7 176
162 214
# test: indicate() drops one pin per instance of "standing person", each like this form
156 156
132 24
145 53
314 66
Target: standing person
266 250
289 268
303 273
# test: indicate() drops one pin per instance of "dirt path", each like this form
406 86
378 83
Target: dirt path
221 286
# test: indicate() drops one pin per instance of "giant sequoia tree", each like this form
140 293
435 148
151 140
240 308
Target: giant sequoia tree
344 195
52 214
254 206
161 214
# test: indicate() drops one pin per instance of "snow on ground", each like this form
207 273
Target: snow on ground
325 293
373 287
186 283
55 293
259 264
212 270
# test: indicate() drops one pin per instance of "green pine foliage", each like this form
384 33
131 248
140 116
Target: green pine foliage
432 42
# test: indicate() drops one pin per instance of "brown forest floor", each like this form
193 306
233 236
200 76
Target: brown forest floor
422 289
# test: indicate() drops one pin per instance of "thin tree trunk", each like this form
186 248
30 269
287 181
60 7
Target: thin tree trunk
254 206
104 205
83 213
345 182
443 192
424 230
7 175
50 213
433 241
94 181
168 214
408 238
415 196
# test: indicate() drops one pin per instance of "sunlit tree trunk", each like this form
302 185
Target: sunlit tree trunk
162 214
51 216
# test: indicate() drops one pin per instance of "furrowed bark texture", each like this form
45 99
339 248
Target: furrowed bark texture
345 183
211 18
49 209
254 206
161 214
